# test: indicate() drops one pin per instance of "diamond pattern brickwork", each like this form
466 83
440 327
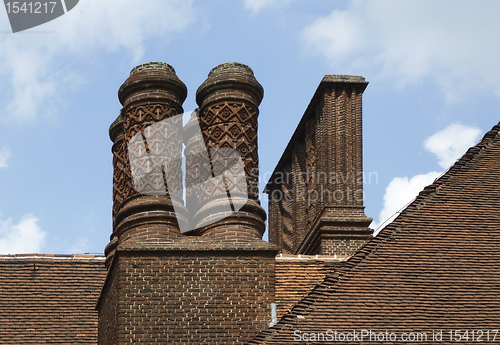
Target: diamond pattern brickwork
228 101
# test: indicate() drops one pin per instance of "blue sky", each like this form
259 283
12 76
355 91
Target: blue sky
433 68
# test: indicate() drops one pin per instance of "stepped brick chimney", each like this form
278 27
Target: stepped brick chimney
316 190
215 284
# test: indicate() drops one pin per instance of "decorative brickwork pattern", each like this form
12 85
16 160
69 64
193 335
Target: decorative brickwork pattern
49 299
228 102
122 183
321 173
197 163
151 94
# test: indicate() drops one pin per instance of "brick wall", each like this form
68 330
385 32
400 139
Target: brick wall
186 296
340 246
108 306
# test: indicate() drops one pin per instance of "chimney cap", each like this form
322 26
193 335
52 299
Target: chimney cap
342 78
152 80
228 81
223 67
152 65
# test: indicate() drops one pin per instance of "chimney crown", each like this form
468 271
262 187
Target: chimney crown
227 81
152 80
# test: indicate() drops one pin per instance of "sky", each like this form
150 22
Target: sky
433 69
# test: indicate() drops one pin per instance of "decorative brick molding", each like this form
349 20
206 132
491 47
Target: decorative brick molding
316 190
228 102
152 93
338 231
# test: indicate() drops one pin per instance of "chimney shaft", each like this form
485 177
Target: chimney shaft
228 102
143 200
316 191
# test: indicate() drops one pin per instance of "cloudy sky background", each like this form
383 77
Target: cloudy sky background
433 68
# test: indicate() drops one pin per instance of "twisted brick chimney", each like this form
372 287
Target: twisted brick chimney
217 284
152 93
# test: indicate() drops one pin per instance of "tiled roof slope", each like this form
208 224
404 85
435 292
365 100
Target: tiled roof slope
435 267
49 299
297 275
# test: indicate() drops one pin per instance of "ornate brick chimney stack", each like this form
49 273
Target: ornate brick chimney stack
316 190
228 102
164 287
143 206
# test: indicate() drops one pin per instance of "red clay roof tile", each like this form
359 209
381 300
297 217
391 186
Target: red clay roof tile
435 267
49 298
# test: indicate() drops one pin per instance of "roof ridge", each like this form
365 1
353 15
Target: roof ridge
332 279
387 233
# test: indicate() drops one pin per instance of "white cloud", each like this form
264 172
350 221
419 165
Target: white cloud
401 191
91 30
115 24
451 143
337 35
4 157
447 145
23 237
405 41
257 5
